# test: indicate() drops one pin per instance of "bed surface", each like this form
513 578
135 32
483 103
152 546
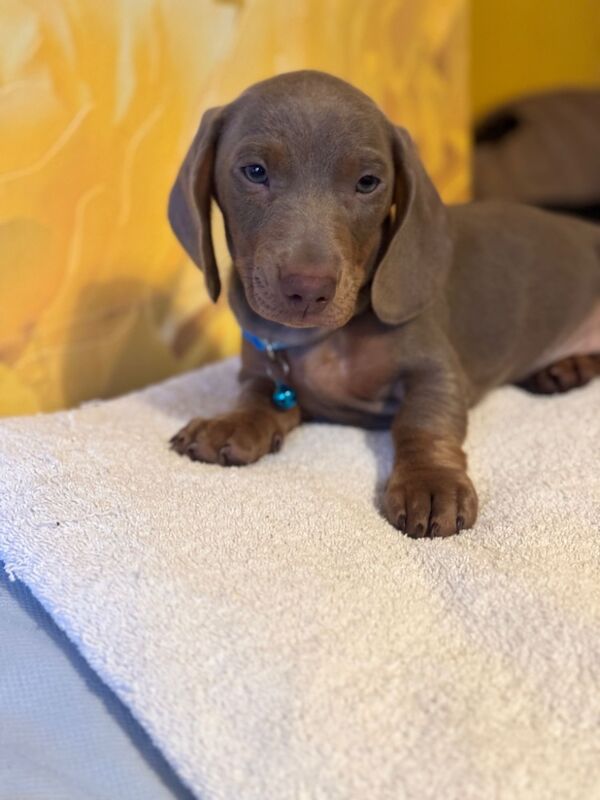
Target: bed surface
278 640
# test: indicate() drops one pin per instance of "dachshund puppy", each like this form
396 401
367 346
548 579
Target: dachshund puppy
364 299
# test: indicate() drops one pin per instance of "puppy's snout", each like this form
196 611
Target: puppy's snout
307 293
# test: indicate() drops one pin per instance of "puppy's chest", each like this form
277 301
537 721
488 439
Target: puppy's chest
347 378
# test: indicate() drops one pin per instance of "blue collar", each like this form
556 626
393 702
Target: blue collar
264 345
269 346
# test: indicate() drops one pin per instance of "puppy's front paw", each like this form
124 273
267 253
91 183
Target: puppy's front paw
563 375
430 501
234 439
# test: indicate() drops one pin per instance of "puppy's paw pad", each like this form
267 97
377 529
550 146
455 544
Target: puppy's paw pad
564 375
234 439
432 504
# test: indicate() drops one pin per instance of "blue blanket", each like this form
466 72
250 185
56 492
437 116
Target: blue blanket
64 735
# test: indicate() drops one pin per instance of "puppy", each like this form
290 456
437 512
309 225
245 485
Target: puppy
364 299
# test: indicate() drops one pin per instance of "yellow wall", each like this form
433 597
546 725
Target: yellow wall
521 46
99 100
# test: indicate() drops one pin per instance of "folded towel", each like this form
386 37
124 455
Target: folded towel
280 641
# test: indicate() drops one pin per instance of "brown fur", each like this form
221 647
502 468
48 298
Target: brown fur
431 305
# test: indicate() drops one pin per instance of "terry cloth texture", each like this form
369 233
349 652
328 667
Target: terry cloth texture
280 641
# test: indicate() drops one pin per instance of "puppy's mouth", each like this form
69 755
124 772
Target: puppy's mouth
269 306
331 319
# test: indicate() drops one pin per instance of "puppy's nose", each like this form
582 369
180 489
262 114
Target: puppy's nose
307 292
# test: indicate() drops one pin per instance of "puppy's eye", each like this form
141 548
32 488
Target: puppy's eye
367 184
256 173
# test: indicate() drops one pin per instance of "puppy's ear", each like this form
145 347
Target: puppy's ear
190 200
416 262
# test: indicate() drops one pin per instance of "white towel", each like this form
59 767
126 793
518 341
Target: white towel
280 641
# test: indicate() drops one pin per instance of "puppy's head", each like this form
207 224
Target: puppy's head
321 197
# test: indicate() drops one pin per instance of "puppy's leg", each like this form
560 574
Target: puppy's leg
429 492
253 429
568 373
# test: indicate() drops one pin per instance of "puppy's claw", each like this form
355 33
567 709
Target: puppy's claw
419 531
192 451
178 445
225 456
276 443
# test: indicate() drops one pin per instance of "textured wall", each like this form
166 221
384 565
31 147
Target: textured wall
98 102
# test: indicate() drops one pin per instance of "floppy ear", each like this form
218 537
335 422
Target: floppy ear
416 262
190 200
